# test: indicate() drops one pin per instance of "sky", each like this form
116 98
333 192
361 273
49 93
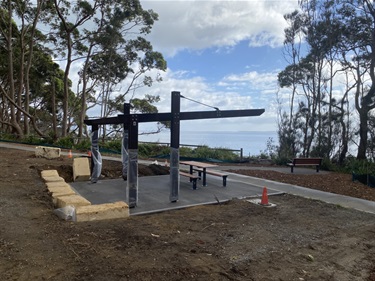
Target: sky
225 54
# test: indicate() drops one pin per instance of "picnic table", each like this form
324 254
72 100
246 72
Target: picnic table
199 165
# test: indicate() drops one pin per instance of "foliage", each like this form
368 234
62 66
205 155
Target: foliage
271 149
106 38
329 49
83 144
359 166
327 165
206 152
65 142
150 150
112 145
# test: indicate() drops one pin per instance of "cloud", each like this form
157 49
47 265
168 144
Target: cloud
198 91
196 25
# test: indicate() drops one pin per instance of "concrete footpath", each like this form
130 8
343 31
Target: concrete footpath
153 192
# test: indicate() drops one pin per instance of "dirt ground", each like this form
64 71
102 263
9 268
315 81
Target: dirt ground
299 239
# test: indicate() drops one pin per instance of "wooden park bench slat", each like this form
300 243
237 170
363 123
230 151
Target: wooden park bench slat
214 173
317 162
193 178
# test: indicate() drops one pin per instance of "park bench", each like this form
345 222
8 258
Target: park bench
214 173
192 178
306 162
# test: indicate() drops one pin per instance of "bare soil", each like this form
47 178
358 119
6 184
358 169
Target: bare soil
299 239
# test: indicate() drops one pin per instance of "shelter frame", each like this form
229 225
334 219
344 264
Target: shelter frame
130 140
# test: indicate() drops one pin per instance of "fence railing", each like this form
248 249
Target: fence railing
239 151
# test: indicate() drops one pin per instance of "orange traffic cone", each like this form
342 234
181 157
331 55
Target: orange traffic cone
264 200
166 163
89 153
70 155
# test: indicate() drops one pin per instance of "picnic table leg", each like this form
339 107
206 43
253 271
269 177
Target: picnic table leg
191 172
204 177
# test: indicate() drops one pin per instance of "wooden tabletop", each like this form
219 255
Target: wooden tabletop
198 164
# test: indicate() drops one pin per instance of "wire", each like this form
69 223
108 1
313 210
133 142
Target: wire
216 108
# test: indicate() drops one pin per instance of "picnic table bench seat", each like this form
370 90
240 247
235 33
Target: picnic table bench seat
317 162
214 173
192 178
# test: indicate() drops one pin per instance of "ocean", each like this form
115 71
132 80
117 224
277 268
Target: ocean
252 142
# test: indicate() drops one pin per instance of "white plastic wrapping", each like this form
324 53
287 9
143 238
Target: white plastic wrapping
67 213
174 174
133 177
96 158
125 155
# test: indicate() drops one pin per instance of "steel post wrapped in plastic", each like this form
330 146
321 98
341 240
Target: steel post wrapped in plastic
174 175
133 177
96 158
125 154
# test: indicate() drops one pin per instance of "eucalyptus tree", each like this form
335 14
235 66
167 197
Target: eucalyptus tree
18 30
8 89
290 78
70 17
320 114
357 19
107 38
122 55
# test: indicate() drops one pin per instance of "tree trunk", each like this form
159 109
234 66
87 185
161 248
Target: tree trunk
13 119
53 106
83 98
363 129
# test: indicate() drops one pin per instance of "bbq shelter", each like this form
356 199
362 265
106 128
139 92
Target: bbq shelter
130 140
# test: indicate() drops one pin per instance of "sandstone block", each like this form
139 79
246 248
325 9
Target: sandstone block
52 184
71 200
102 212
81 169
49 173
53 179
47 152
56 195
61 189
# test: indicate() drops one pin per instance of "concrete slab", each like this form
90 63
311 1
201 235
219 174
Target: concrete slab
153 193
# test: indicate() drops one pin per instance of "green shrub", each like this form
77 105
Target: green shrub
327 165
83 144
360 167
65 142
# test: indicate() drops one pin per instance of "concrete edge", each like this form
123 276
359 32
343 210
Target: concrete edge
203 204
344 201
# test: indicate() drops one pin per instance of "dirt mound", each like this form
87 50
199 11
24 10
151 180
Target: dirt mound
110 170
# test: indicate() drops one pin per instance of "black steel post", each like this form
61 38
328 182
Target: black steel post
132 180
95 156
175 146
125 144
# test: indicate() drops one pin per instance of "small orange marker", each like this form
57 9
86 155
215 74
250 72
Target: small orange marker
264 200
70 155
